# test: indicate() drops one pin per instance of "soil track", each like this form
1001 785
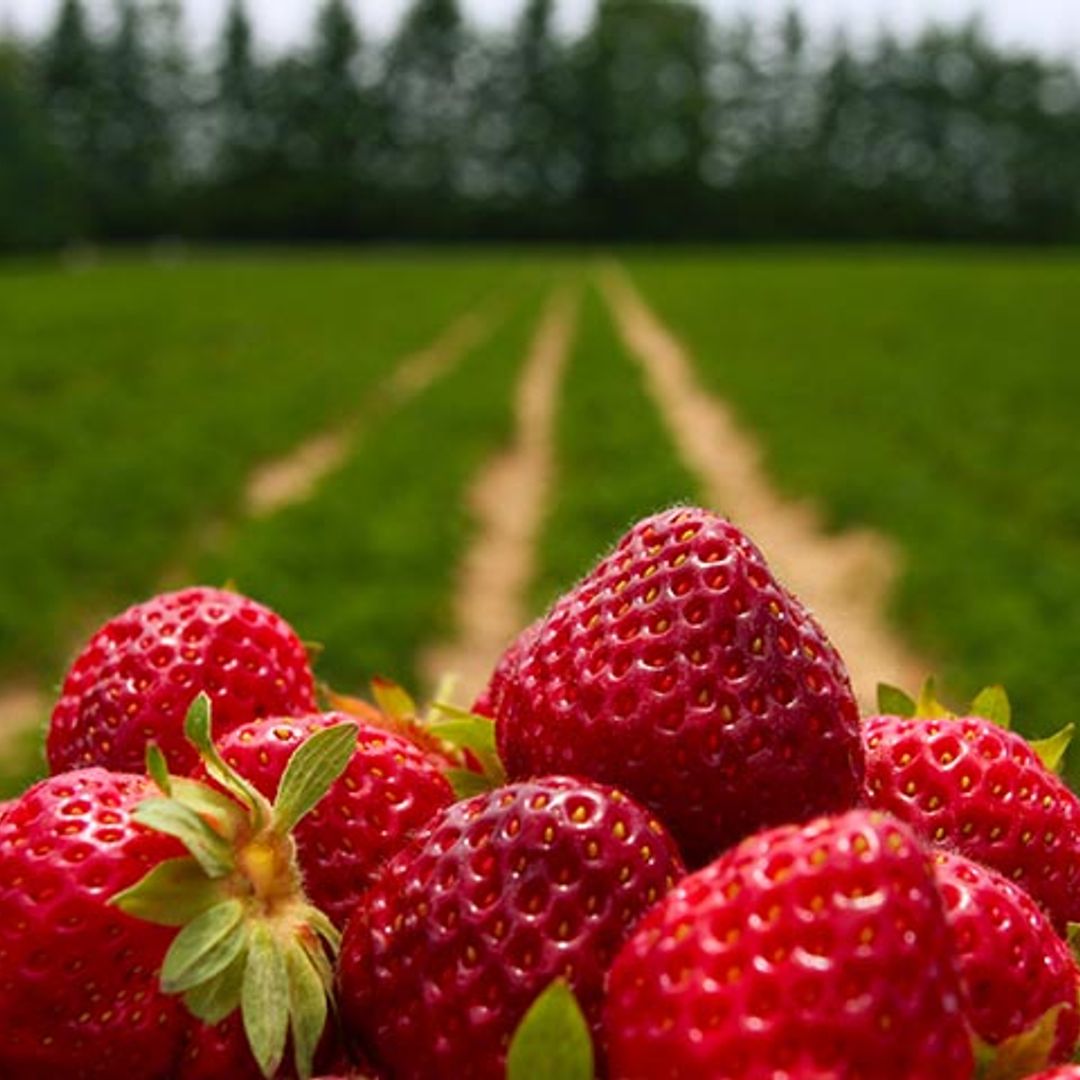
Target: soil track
507 501
844 578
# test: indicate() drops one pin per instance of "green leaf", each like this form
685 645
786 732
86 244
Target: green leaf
992 704
157 768
216 998
553 1041
172 894
174 819
324 928
264 1000
1051 751
197 728
223 813
393 699
205 947
307 1007
466 783
928 707
1019 1055
893 701
312 769
467 731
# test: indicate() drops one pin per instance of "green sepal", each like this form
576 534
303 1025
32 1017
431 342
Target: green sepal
197 728
467 731
312 769
1051 750
264 1000
992 703
173 818
466 783
892 701
157 768
1020 1055
553 1041
307 1006
222 812
216 998
172 894
1072 936
322 926
392 699
927 707
205 947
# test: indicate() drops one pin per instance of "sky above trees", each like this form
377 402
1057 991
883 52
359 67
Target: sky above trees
1052 25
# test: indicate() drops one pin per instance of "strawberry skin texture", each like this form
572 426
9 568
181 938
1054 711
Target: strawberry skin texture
681 672
971 786
78 978
498 896
807 951
139 673
1013 967
388 791
1062 1072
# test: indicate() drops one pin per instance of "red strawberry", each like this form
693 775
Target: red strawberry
680 671
497 896
1063 1072
1013 967
971 785
490 701
818 950
389 789
79 990
136 678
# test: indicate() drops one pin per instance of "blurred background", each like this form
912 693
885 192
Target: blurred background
224 226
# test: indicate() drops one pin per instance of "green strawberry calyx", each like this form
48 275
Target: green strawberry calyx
990 704
1020 1055
553 1041
463 742
249 938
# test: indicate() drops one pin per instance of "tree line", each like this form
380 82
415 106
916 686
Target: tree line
657 122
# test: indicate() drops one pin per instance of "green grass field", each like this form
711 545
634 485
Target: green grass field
932 396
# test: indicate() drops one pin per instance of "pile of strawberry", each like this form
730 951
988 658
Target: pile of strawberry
664 844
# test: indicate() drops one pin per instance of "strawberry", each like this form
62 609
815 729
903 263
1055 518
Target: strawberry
1062 1072
495 898
970 784
817 950
680 671
1016 974
489 703
388 790
139 673
78 977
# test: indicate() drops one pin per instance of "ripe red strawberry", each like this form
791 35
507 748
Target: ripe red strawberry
496 897
139 673
680 671
818 950
388 790
79 990
1062 1072
1013 967
490 701
971 785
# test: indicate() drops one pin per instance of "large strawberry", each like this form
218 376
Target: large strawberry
680 671
498 896
818 950
1019 980
1062 1072
139 673
968 783
388 790
79 990
94 883
490 701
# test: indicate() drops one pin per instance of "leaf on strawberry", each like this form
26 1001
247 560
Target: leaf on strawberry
892 701
1051 750
992 704
1020 1055
552 1041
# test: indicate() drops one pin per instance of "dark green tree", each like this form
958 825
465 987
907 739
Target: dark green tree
239 105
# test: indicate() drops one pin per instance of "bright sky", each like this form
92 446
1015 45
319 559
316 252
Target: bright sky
1052 25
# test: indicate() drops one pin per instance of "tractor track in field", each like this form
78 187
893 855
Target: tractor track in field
507 500
844 578
281 482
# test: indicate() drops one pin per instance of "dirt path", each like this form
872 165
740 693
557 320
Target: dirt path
290 479
844 578
507 500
